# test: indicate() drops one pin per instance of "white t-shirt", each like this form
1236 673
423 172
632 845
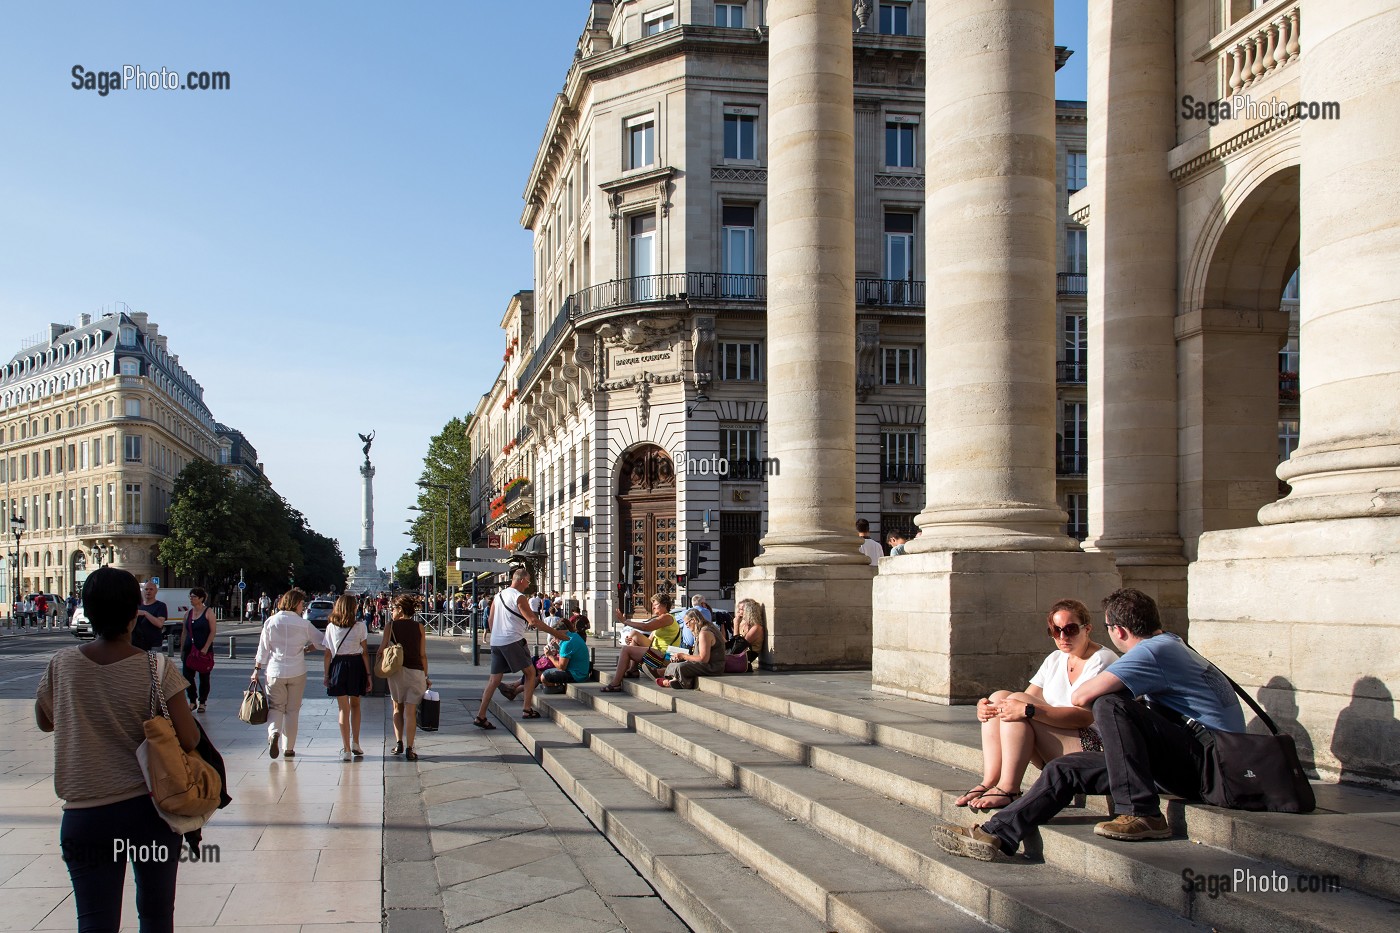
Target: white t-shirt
508 626
346 641
871 549
1053 676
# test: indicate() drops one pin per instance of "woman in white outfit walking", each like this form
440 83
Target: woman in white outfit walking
282 650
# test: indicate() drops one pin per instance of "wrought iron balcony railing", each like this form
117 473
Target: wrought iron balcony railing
1072 372
894 473
1072 283
1073 463
122 529
890 293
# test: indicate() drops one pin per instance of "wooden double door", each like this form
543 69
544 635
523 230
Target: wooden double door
647 530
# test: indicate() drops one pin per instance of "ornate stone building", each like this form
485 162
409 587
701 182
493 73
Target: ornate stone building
97 418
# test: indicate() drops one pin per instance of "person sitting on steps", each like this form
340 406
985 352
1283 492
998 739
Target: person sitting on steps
705 660
649 641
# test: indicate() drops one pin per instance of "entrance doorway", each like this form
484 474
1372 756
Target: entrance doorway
647 534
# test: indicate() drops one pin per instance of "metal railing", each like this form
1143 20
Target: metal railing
890 293
121 528
1074 372
902 473
1072 283
1288 386
1075 463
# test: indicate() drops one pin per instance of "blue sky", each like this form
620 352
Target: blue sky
330 244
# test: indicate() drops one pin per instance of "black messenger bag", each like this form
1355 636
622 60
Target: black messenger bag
1245 771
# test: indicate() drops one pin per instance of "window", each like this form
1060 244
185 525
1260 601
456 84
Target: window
97 504
111 448
133 503
1287 439
739 534
737 251
641 256
1074 450
1076 348
96 452
900 133
740 134
899 456
1077 508
131 448
82 506
127 336
48 462
658 21
1076 170
1076 250
130 367
641 142
738 443
112 502
72 457
894 19
48 510
1288 357
739 362
901 366
133 408
899 255
729 15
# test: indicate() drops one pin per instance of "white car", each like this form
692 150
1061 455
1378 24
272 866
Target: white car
80 626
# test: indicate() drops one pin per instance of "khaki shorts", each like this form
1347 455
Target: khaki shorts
407 686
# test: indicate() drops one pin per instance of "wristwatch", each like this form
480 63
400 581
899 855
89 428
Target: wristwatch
1030 710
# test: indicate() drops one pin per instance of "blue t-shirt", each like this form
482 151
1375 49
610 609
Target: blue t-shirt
1162 669
574 651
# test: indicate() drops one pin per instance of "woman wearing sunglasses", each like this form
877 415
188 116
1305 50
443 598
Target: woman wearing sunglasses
1041 723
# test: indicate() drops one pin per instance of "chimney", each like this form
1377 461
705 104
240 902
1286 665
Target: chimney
85 320
139 318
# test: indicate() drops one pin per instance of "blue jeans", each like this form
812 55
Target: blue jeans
89 839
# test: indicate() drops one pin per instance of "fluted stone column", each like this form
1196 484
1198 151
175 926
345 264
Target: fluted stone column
963 612
1301 609
366 577
1132 298
811 575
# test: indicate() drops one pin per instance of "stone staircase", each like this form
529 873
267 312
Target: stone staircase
803 801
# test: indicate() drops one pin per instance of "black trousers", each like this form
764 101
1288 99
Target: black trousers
89 839
1142 750
198 690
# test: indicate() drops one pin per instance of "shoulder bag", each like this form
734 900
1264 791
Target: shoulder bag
184 787
1247 771
201 662
253 710
390 654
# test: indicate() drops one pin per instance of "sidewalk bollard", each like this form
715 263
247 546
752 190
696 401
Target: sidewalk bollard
233 646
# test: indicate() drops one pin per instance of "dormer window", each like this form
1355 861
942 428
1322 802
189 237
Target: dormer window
130 366
127 337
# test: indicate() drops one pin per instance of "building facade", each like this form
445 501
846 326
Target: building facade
97 418
628 423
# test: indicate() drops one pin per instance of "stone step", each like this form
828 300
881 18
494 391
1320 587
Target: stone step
707 887
1355 832
1153 871
663 751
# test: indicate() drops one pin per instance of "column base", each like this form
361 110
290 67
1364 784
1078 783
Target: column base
953 626
817 615
1302 616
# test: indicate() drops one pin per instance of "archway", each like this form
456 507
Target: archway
646 526
1228 360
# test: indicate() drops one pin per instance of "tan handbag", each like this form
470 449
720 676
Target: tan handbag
390 654
181 783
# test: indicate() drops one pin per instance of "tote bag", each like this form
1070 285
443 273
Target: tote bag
184 787
390 654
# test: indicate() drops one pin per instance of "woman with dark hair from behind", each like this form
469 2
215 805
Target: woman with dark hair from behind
407 685
347 671
197 632
95 699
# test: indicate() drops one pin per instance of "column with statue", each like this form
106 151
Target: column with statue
367 577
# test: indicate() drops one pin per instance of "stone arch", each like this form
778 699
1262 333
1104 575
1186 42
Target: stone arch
1228 339
645 488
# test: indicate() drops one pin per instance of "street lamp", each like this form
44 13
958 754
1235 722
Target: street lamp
434 552
440 487
17 527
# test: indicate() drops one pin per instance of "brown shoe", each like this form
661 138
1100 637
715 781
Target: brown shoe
1130 828
968 841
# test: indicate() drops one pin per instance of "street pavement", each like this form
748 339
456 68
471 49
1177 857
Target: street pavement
474 835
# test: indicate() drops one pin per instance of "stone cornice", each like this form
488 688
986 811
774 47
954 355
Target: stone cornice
1188 168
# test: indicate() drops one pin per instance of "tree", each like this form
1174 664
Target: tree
447 465
406 570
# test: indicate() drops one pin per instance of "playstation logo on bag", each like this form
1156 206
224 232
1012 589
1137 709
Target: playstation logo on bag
1249 774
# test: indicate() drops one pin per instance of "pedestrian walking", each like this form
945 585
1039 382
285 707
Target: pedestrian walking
347 675
282 651
198 632
511 618
407 684
95 699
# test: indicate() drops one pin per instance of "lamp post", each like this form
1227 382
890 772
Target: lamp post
440 487
433 552
17 524
422 554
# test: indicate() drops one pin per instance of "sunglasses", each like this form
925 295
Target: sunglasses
1069 631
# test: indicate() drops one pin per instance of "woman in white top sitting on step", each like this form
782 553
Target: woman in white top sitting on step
1041 723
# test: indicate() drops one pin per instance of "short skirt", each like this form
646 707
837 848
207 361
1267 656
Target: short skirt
407 685
347 676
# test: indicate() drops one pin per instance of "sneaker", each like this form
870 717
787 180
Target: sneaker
968 841
356 751
200 708
345 754
289 754
1130 828
272 746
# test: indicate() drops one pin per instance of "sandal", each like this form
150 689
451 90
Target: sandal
530 714
633 674
610 689
398 748
994 792
972 794
409 754
481 722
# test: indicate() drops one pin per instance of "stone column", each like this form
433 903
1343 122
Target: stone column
367 508
1132 298
963 612
811 575
1299 609
366 577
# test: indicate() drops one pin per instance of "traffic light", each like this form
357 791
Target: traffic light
697 559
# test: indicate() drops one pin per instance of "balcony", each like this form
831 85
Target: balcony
123 530
1288 387
1071 284
893 474
1071 372
889 293
1072 463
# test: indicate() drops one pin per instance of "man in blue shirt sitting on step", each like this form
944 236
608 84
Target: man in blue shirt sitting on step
1145 745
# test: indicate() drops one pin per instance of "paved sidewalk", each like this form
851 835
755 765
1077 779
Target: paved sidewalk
483 839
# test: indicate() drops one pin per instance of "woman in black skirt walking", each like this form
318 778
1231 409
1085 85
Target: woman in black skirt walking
347 671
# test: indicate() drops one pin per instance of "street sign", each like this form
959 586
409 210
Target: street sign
484 566
425 568
482 553
242 585
493 540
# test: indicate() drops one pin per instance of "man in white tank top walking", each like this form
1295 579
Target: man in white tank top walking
511 618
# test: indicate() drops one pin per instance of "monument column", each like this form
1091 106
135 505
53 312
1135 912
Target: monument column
1132 298
1327 556
963 611
366 577
811 576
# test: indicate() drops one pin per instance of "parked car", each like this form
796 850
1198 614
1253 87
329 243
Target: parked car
80 626
318 612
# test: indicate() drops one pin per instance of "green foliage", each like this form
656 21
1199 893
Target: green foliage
447 465
406 570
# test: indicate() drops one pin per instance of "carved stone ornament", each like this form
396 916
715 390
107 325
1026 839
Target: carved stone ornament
645 470
641 333
862 9
867 353
644 399
702 342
